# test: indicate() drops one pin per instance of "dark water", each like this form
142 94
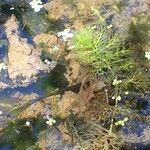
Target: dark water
6 148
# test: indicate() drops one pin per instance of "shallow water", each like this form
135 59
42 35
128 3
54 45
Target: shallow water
16 132
9 97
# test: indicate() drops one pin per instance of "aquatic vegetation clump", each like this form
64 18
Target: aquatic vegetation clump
102 50
106 53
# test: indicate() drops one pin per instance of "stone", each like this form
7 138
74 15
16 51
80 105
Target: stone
24 63
52 139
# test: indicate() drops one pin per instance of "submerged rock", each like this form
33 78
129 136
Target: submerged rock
130 10
24 63
137 135
52 139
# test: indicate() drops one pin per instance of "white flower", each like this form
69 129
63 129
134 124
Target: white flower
27 123
110 26
113 97
2 66
126 119
36 5
94 27
66 34
116 82
12 8
56 48
147 55
118 98
126 93
122 122
47 61
120 81
50 121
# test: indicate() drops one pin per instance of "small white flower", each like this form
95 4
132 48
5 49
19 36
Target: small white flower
50 121
2 66
28 123
36 5
56 48
1 112
47 61
118 98
126 93
115 81
109 26
66 34
12 8
147 55
119 81
113 97
126 119
94 27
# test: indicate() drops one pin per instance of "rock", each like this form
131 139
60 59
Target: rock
123 19
53 7
68 101
137 135
25 97
24 60
74 68
5 117
40 108
49 41
3 85
52 139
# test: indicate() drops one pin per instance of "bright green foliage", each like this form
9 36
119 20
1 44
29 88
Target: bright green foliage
102 50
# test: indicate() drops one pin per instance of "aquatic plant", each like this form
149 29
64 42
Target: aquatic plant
102 50
108 56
